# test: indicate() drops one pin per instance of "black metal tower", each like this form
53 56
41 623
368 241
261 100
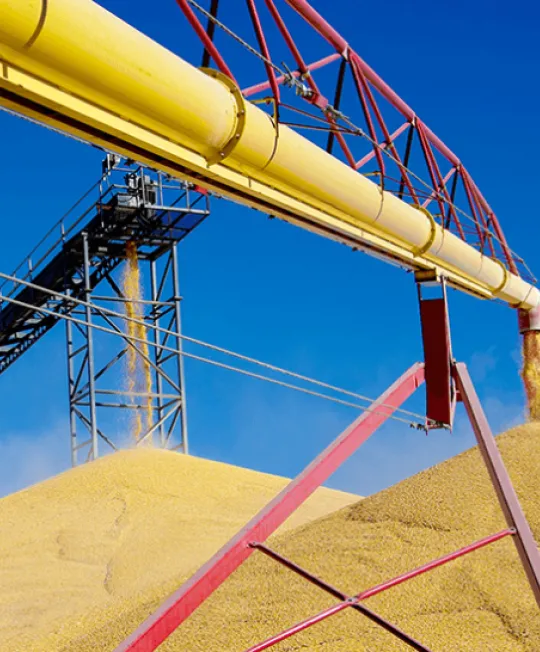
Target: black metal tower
83 251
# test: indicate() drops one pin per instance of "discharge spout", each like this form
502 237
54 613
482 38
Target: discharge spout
72 65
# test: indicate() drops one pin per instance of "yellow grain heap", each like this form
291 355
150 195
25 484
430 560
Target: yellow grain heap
139 371
133 538
97 535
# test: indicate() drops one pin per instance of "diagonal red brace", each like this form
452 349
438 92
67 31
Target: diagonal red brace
352 602
310 577
157 627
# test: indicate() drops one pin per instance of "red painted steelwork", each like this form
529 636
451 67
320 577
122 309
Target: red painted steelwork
264 49
315 98
441 561
206 41
433 195
361 87
316 65
300 627
370 155
436 563
185 600
379 104
312 17
387 138
515 518
411 642
438 359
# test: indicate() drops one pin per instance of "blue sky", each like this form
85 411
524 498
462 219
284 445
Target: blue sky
280 294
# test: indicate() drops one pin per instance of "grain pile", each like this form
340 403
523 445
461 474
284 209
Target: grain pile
479 603
116 529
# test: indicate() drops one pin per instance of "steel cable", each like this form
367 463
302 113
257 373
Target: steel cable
115 314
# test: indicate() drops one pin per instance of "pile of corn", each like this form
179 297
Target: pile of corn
147 533
75 548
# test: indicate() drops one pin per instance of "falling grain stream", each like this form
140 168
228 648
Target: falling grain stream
138 370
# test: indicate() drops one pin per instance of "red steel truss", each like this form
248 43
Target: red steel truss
396 152
343 101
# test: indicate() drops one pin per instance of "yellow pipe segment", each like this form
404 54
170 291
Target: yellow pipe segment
74 66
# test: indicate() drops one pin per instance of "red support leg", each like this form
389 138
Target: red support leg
515 518
187 598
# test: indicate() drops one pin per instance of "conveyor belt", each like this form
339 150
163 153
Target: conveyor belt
124 217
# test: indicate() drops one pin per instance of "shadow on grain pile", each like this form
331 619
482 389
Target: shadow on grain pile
481 602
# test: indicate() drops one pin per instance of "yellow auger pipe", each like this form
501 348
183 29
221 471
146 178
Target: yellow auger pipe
73 65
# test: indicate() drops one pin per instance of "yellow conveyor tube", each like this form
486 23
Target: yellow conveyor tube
73 65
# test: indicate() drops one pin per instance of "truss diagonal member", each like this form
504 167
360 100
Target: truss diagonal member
315 97
384 145
205 38
158 626
263 46
295 74
350 602
300 627
310 577
86 422
130 342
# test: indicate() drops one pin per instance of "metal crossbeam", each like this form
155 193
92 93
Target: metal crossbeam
354 601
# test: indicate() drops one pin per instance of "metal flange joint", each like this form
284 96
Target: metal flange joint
240 125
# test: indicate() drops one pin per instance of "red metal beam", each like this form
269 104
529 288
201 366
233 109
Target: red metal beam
433 195
436 563
515 518
316 98
370 155
205 38
312 17
361 83
187 598
295 51
387 138
494 221
478 215
263 45
435 174
264 86
300 627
